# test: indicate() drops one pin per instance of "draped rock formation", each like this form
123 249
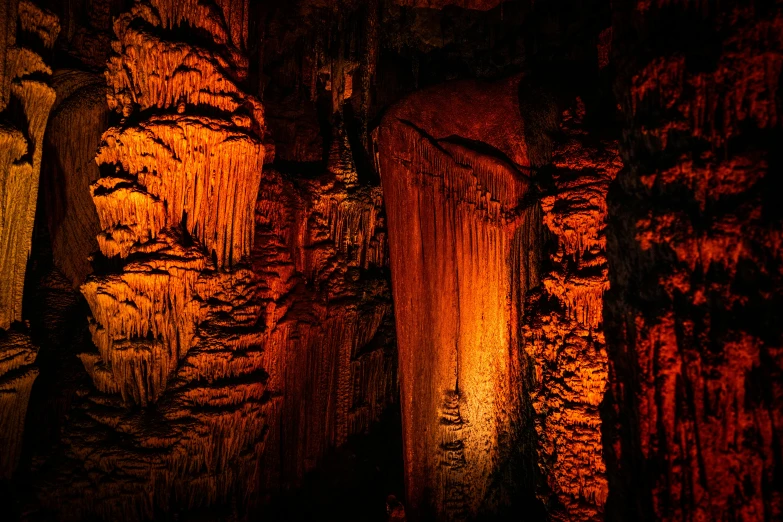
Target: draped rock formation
17 375
239 317
695 260
464 244
320 252
177 197
175 203
25 101
495 352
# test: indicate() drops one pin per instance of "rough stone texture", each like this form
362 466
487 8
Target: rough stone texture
320 251
25 101
563 331
695 261
17 374
180 198
464 239
240 333
181 146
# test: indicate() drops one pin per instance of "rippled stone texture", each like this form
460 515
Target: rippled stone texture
25 101
175 204
242 318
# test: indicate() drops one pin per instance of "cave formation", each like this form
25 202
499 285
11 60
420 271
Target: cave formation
390 260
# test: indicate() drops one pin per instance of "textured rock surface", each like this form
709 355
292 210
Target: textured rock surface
563 331
463 243
25 101
320 251
240 333
17 374
180 197
695 261
176 252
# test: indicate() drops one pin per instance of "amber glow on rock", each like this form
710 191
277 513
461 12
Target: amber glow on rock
457 226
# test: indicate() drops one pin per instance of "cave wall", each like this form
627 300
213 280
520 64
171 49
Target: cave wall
694 252
25 101
242 316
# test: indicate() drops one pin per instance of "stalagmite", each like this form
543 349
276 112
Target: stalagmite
25 102
464 237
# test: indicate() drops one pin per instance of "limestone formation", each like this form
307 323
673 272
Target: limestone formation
464 238
25 101
248 316
69 168
695 261
175 203
563 327
178 193
17 374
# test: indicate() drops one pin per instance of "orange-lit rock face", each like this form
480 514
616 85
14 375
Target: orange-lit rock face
460 236
319 246
175 204
695 257
17 375
25 101
563 330
247 331
174 174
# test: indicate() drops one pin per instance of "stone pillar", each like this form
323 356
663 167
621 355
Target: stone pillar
464 243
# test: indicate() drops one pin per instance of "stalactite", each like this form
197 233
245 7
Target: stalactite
175 325
318 244
249 336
